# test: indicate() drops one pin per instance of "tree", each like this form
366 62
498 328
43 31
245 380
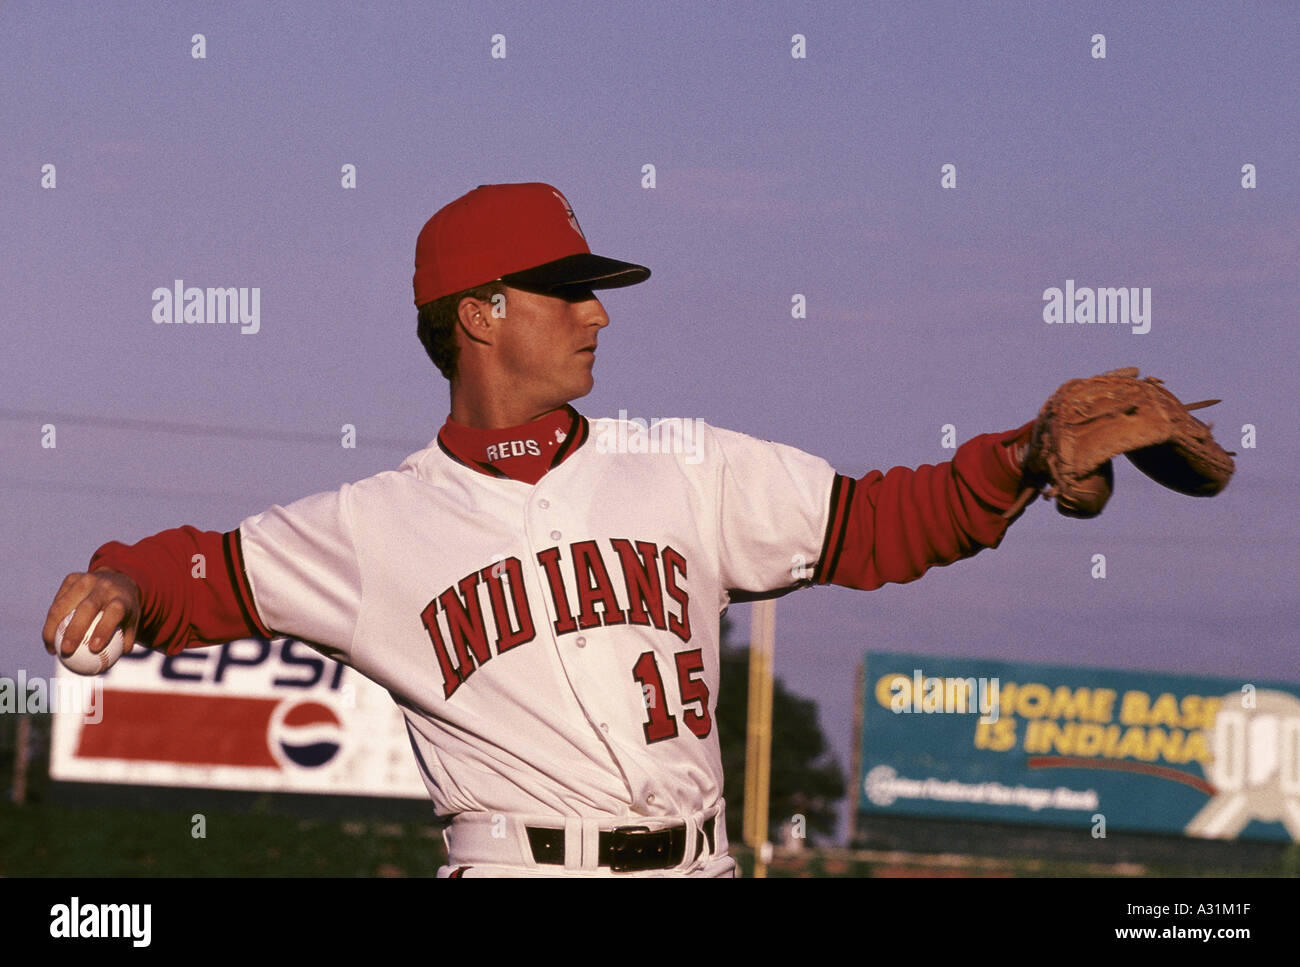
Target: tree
806 779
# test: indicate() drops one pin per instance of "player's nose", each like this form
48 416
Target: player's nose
592 313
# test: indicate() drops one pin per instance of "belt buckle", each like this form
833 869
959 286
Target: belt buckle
620 838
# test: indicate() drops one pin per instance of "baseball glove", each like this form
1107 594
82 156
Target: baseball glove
1089 421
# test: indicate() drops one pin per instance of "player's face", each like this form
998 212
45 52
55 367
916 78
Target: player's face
548 344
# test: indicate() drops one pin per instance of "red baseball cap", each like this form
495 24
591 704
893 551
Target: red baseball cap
525 234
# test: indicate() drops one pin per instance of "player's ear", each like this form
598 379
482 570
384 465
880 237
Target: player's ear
476 319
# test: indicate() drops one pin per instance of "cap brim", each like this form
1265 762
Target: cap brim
583 269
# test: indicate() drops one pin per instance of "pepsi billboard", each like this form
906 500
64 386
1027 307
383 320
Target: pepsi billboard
250 714
1088 748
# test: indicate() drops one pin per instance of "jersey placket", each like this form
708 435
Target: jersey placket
543 530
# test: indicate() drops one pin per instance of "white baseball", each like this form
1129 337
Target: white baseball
83 661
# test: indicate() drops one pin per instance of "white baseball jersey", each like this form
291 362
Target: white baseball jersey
554 647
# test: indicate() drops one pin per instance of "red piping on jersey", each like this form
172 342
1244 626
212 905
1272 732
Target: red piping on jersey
486 468
837 526
233 544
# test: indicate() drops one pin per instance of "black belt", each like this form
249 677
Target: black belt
626 849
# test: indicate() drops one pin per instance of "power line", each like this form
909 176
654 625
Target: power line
200 430
105 490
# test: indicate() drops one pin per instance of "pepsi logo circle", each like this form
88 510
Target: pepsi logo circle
305 735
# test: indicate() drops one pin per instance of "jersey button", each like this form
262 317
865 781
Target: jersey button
581 642
650 798
555 535
544 504
604 727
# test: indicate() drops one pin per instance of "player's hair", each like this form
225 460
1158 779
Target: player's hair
437 325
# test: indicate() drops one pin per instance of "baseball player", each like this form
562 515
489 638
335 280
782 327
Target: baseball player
538 591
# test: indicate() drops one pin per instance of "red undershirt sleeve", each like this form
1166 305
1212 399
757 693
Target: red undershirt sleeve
893 527
193 588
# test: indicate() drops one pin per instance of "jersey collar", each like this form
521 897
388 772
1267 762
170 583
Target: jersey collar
524 453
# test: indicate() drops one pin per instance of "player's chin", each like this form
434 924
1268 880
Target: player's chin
583 383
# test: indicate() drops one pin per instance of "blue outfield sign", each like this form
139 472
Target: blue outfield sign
1088 748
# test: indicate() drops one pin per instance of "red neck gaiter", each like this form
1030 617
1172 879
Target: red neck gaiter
523 453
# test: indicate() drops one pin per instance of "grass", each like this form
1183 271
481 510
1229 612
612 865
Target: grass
58 840
47 840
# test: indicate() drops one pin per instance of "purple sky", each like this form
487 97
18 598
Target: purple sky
775 176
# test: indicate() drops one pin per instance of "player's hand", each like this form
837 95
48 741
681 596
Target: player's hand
104 590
